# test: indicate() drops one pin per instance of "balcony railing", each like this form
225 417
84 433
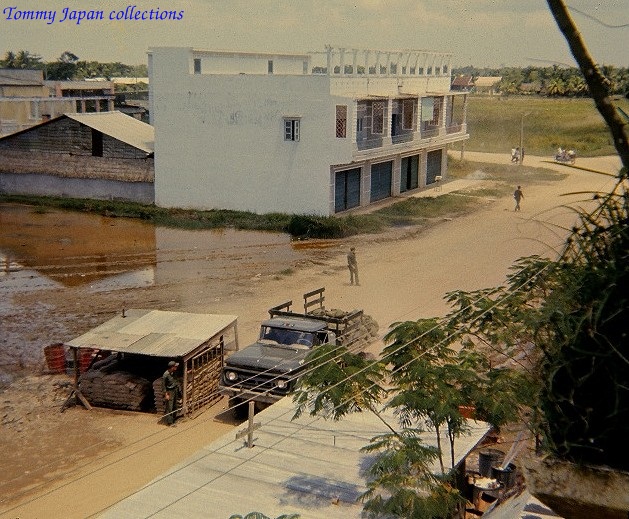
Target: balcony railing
432 132
369 144
404 137
454 128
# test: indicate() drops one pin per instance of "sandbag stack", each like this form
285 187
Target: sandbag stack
158 391
120 390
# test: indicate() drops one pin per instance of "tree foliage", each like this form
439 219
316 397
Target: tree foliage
69 66
427 371
552 81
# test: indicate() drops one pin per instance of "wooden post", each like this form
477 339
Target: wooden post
250 426
76 392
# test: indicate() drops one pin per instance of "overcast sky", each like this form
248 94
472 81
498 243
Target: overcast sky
477 32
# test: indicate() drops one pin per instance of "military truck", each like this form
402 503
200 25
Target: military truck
267 370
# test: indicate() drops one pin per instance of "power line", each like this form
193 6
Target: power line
316 418
597 20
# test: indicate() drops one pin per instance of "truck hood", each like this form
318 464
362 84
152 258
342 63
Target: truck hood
264 356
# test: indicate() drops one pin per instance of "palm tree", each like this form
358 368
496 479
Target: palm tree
9 60
556 87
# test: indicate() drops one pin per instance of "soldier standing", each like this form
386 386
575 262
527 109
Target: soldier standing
352 265
172 392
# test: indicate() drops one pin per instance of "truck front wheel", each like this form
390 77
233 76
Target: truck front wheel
239 407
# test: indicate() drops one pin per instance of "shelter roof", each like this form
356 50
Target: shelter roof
120 126
308 466
155 332
463 81
487 81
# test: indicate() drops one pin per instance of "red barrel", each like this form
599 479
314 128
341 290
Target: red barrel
55 355
85 359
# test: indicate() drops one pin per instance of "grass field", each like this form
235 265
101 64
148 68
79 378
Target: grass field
494 125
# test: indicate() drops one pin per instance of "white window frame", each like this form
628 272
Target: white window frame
292 128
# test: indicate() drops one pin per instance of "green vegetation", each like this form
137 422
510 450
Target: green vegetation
552 81
494 125
69 66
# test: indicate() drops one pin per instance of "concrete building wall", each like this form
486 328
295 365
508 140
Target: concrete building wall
219 139
96 188
18 114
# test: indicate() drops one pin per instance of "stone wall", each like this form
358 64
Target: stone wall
77 166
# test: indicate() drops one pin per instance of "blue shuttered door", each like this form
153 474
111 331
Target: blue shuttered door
433 166
381 175
408 174
346 189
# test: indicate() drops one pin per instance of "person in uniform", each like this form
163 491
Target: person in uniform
172 392
518 195
352 265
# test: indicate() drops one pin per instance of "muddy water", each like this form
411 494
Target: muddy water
41 249
62 273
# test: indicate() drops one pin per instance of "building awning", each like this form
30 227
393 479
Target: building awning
155 332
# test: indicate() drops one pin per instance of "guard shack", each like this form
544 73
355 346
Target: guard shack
139 344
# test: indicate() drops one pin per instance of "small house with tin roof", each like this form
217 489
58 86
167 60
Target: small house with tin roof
105 155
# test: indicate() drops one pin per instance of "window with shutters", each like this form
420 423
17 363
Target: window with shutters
291 129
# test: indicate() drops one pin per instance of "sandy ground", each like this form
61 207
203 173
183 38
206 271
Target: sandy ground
78 463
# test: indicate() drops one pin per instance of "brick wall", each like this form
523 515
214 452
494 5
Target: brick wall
77 166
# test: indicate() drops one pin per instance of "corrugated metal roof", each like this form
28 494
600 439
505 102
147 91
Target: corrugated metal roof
120 126
154 332
308 466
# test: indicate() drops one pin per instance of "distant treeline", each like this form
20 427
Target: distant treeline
552 81
69 66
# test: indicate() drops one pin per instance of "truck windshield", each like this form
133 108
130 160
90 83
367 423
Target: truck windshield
289 337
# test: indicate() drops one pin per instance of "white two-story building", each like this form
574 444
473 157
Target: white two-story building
317 133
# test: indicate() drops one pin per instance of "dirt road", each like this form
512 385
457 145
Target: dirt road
78 463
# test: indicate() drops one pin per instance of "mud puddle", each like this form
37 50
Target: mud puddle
55 249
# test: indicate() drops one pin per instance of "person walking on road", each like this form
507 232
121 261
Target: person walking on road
172 392
518 195
352 265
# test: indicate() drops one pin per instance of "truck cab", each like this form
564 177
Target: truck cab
267 369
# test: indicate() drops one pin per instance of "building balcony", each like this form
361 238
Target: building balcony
378 145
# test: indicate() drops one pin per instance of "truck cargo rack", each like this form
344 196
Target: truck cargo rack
348 328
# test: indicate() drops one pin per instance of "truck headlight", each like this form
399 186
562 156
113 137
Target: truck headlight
281 384
232 376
